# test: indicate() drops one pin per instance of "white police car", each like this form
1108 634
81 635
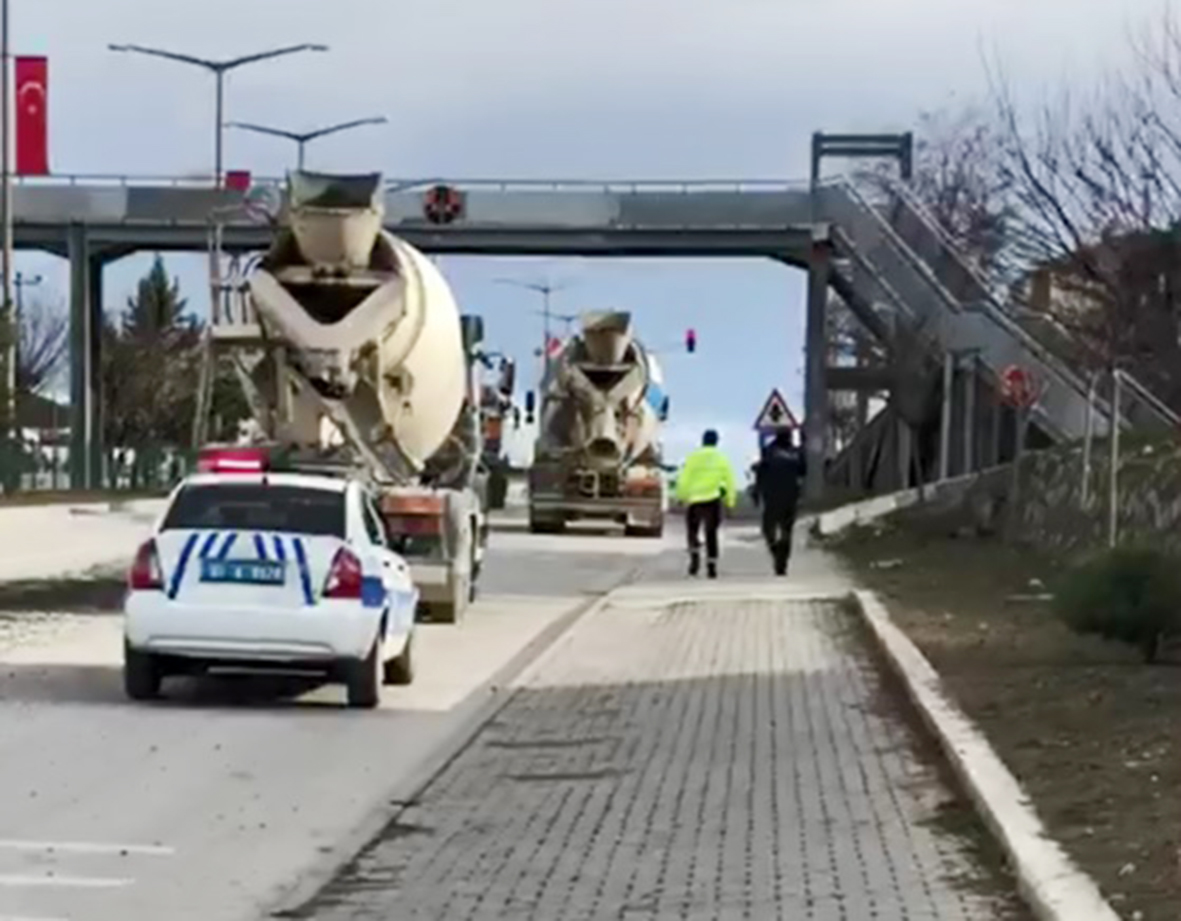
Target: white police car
257 568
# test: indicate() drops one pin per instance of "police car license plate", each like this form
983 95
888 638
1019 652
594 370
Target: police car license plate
250 572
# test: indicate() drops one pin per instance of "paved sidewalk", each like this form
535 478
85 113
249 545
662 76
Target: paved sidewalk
744 558
707 759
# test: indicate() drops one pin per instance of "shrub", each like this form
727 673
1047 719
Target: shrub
1130 594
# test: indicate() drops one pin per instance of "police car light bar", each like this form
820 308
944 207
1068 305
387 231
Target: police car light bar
233 460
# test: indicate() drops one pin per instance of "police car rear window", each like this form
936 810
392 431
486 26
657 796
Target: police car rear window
255 507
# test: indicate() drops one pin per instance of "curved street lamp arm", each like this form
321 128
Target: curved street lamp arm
263 129
273 53
169 55
343 126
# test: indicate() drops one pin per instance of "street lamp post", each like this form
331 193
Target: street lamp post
20 281
545 289
567 318
301 138
219 69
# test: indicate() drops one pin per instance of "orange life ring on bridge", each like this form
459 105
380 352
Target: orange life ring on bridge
443 204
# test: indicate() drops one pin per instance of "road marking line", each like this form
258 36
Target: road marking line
85 847
75 882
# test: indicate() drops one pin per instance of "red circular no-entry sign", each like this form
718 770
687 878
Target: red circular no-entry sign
443 204
1018 387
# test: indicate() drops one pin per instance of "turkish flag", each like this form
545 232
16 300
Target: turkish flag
32 116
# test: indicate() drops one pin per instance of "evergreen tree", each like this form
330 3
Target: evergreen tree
151 368
157 308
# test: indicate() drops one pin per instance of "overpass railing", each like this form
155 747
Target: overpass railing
610 186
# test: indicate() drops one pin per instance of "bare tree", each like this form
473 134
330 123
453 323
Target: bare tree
960 180
43 343
959 176
1095 181
849 344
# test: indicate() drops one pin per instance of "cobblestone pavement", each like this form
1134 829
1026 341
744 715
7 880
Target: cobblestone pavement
702 760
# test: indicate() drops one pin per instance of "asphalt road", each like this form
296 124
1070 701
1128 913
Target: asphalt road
211 804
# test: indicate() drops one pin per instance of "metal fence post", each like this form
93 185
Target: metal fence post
1088 437
1113 473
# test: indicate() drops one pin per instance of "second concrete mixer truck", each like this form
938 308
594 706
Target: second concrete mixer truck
353 355
598 452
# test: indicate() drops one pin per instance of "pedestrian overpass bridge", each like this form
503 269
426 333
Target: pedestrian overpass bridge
883 256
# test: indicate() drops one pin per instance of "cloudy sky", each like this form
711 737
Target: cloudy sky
526 89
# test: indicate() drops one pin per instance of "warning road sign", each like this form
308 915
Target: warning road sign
775 414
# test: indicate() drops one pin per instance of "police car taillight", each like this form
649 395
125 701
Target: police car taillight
233 460
344 578
145 574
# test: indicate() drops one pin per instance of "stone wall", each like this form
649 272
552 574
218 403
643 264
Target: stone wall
1054 514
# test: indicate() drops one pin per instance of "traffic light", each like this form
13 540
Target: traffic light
690 341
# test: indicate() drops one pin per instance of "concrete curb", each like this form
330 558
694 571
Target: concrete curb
856 513
1049 881
483 705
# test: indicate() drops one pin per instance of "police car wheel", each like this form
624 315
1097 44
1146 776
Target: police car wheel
364 678
142 675
400 669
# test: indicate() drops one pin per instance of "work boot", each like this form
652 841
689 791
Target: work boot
780 558
711 569
694 564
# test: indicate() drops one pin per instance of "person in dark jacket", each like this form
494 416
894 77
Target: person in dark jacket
778 478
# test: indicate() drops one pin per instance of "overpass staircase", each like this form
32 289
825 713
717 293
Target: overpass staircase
905 279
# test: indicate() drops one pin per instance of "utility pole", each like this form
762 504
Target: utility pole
6 218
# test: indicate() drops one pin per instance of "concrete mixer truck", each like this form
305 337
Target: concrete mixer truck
353 357
598 453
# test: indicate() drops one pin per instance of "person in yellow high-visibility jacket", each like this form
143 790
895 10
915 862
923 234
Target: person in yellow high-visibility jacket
705 482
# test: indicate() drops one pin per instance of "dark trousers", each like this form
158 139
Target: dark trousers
778 521
709 516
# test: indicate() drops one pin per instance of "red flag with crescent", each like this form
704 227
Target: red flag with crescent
32 116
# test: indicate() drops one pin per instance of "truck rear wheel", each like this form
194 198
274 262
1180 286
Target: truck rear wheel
655 529
638 531
363 679
546 525
400 669
451 610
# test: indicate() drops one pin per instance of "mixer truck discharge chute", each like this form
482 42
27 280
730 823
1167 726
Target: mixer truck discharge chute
353 353
598 452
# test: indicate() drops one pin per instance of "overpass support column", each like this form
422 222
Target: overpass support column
85 362
815 361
